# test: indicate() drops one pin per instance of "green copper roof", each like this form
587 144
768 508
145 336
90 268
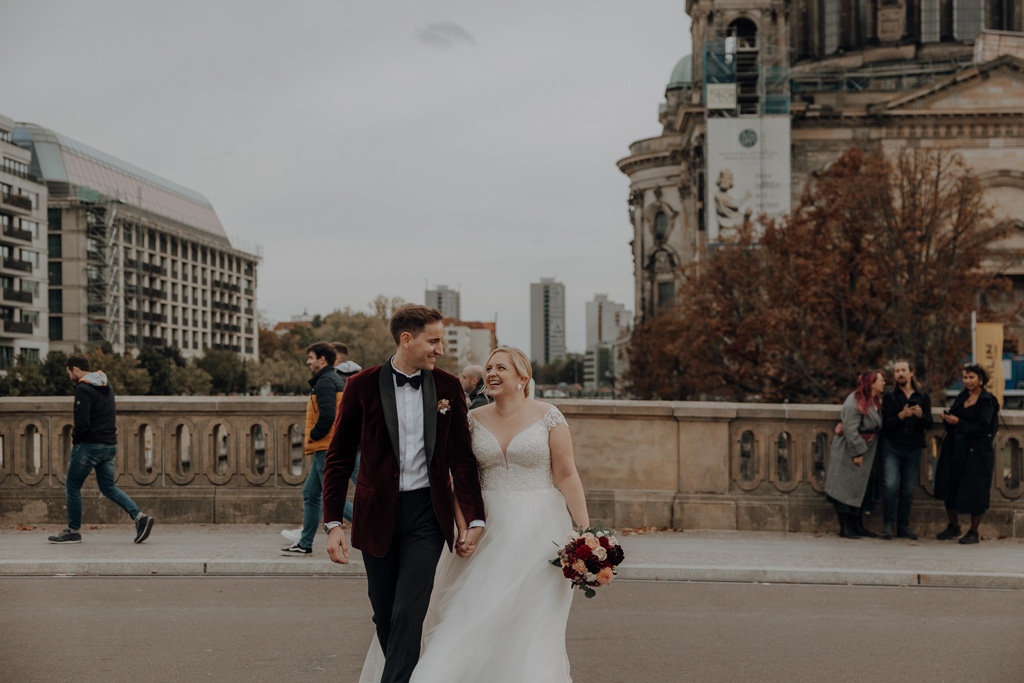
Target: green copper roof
90 173
682 75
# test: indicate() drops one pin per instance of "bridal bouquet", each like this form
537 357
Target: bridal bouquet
589 558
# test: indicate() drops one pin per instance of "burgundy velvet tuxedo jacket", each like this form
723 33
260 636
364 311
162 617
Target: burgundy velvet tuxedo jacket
368 421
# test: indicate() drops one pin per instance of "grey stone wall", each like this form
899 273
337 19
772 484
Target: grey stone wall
685 465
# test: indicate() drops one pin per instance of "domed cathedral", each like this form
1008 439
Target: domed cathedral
776 90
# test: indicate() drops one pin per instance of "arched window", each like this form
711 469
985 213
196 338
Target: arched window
660 226
666 294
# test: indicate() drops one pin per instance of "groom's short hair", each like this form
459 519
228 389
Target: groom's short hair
412 318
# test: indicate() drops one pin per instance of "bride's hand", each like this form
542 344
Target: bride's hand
467 541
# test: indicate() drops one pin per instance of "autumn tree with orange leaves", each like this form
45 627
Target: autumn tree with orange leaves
885 256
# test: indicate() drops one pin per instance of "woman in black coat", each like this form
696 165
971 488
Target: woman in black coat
963 475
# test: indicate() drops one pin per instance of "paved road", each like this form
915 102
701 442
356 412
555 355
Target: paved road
313 629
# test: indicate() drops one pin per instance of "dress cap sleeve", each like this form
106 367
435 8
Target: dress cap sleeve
553 418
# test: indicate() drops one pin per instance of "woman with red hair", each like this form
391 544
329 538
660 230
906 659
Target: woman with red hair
853 453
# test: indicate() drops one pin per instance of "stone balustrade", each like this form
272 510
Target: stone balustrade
685 465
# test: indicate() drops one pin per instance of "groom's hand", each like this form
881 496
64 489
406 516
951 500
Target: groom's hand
337 549
468 540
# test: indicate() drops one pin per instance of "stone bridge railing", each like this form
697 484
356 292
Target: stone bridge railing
664 464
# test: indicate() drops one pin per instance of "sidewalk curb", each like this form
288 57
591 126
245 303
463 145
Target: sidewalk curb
795 575
196 567
633 572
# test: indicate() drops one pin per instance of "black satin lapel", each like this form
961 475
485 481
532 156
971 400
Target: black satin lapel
429 414
388 405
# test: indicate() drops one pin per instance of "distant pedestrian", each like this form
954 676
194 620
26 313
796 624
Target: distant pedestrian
906 418
963 474
853 453
324 398
345 367
472 380
94 447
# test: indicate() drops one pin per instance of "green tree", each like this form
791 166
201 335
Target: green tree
159 362
367 334
55 374
284 373
190 380
25 378
283 357
123 372
226 370
884 256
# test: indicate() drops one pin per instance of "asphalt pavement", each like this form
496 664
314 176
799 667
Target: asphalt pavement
715 556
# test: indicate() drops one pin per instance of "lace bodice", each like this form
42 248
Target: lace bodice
527 464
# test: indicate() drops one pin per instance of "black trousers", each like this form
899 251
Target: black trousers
399 584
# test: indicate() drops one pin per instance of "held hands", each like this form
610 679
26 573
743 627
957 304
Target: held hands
468 538
337 549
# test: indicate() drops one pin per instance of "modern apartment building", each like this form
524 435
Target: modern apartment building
136 260
469 342
547 321
22 254
607 321
608 324
445 300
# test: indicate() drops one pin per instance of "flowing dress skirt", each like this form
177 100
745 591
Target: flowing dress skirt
499 616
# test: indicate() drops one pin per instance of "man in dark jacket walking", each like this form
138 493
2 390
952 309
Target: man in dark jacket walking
906 417
326 386
94 447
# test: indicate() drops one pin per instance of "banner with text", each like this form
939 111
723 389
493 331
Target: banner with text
748 172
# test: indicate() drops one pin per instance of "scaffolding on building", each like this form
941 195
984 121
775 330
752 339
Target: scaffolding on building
757 65
103 273
893 77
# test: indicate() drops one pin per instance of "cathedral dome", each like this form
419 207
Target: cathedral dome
682 74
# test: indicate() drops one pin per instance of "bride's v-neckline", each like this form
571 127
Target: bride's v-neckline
504 451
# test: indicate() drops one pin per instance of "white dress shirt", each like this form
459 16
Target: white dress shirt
412 457
412 448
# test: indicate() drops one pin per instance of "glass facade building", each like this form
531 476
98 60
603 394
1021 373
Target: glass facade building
134 259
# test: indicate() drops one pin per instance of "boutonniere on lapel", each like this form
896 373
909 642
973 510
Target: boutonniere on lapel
443 405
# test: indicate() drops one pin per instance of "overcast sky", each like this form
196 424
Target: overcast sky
372 147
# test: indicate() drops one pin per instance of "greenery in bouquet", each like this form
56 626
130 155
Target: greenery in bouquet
589 558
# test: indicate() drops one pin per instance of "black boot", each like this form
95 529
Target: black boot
858 526
846 526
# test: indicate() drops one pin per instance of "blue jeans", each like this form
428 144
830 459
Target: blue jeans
312 498
901 469
86 457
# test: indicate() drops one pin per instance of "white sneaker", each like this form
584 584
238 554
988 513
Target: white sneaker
292 535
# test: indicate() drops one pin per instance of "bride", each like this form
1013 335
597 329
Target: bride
500 614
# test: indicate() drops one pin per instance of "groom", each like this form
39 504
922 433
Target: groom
409 420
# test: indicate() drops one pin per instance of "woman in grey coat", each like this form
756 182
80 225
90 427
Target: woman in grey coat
853 453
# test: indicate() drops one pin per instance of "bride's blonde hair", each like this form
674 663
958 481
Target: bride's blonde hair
519 361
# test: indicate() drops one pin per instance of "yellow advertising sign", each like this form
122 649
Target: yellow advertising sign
988 338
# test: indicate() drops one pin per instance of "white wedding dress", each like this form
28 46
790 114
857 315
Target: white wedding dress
500 616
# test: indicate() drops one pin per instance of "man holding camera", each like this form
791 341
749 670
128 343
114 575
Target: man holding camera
906 418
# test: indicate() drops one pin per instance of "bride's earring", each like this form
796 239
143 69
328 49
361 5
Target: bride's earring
519 386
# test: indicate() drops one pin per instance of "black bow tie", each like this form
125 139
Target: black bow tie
414 382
